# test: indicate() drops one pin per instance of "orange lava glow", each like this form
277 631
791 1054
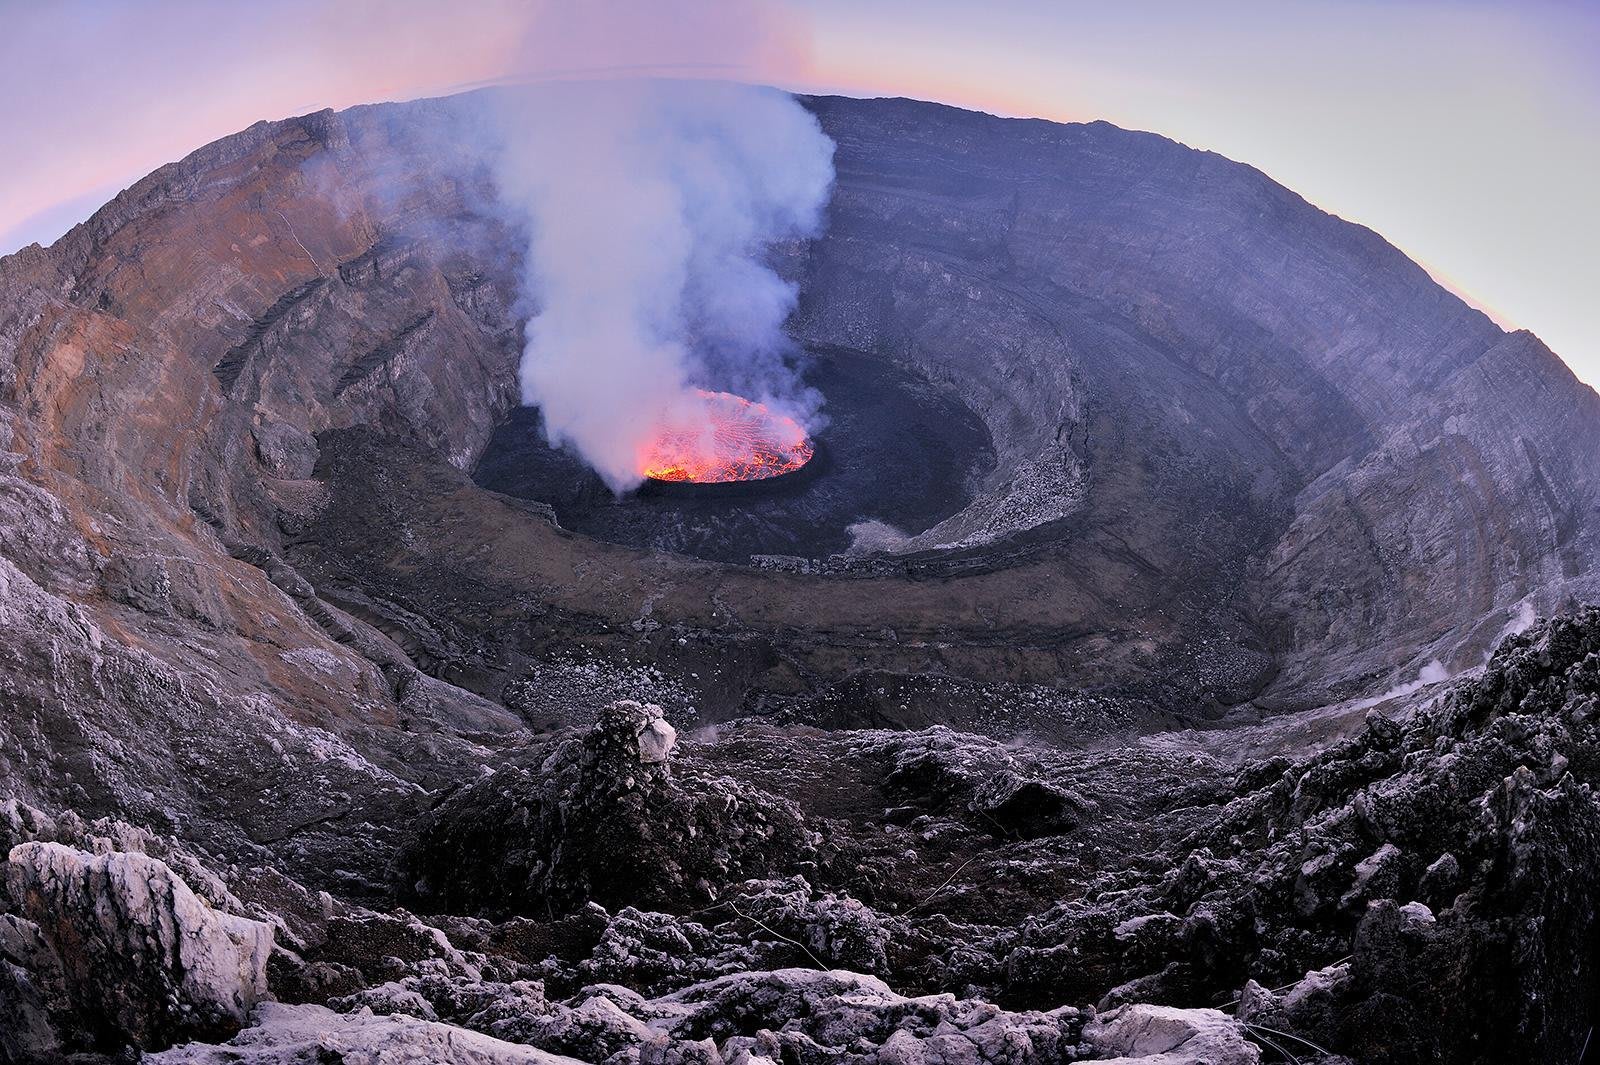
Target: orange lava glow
725 438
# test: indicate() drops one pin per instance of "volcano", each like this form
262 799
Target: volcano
719 438
1105 606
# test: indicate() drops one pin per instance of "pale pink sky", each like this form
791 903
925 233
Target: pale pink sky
1467 132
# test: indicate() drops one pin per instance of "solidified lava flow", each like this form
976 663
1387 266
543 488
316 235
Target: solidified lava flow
724 437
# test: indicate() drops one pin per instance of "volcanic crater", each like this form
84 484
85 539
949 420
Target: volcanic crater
893 449
1170 498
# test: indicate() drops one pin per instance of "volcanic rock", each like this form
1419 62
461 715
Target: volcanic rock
285 1034
108 950
1160 1034
1213 905
599 818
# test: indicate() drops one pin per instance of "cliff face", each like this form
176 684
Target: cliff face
1169 335
163 369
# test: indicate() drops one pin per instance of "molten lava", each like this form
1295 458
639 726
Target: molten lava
722 437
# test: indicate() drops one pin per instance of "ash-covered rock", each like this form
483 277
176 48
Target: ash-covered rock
783 1015
1005 789
600 817
1410 870
1170 1036
1423 871
831 929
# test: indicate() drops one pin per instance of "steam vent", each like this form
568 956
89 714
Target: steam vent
725 442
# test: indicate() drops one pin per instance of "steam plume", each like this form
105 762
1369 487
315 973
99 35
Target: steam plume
650 206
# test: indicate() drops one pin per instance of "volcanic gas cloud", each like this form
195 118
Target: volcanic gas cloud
652 207
716 437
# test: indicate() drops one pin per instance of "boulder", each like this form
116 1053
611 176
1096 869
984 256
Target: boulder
1164 1035
104 951
608 816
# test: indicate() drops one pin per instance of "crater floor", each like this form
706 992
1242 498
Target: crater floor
894 449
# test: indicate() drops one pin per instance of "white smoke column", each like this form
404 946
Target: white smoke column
650 206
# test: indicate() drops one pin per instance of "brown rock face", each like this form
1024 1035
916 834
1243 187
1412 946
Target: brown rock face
163 372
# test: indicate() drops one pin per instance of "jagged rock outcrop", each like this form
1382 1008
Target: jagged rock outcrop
783 1015
283 1035
599 818
790 1015
1415 872
104 951
997 785
1360 904
1161 1035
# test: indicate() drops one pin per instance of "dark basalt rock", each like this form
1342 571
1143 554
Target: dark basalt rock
602 818
1000 788
1478 805
1369 903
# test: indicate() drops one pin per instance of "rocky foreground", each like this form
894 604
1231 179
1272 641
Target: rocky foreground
1421 892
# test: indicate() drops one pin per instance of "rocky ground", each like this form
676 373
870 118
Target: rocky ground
1420 892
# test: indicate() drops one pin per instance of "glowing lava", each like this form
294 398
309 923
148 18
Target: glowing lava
719 437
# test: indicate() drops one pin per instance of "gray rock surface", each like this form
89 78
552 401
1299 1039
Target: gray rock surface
113 949
598 818
287 1035
1310 897
1160 1035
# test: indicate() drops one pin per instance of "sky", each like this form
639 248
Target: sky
1466 132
